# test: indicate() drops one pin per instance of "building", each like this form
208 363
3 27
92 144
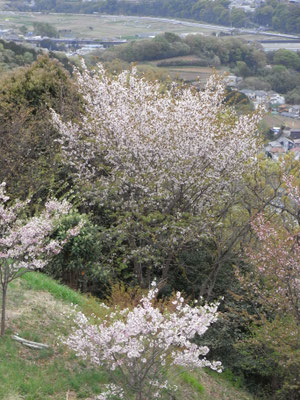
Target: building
232 80
295 134
276 99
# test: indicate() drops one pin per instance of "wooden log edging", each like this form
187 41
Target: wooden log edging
29 343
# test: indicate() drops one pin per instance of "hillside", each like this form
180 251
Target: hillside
36 310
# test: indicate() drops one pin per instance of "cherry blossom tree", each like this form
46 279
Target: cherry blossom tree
163 161
25 243
275 278
137 347
273 287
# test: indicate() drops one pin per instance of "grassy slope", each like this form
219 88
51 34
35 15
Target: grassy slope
36 311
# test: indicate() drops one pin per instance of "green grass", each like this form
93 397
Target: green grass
41 376
236 381
188 378
39 281
36 310
205 384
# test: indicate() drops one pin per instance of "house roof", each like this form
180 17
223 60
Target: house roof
247 92
260 93
276 95
277 150
285 140
295 134
288 114
275 143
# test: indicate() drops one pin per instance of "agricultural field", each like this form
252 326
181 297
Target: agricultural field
105 26
102 26
278 120
187 72
276 46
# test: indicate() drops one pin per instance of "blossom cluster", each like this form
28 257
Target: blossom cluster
152 145
164 160
111 392
24 242
276 261
292 189
142 343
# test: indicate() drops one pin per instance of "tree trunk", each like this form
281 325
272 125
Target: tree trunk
4 291
138 396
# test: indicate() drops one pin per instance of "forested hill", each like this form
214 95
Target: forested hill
13 55
272 14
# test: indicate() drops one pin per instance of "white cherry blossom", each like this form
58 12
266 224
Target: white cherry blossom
143 343
163 161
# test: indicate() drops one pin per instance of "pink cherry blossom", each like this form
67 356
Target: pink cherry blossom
275 279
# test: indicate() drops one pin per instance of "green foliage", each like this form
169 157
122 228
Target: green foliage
273 352
236 381
165 45
23 29
242 69
283 80
239 18
13 55
29 160
78 263
238 100
227 375
293 96
247 58
263 15
288 58
45 30
255 83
